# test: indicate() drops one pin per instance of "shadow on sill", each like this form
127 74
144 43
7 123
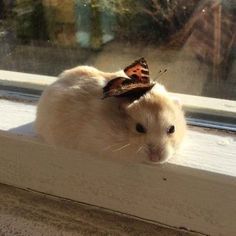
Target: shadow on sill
26 129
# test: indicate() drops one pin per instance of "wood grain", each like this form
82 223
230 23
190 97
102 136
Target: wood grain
25 213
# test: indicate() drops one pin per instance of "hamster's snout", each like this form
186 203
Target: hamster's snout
154 157
155 154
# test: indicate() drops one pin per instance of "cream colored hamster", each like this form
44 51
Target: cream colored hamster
71 114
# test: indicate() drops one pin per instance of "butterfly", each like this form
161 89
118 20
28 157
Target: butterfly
135 86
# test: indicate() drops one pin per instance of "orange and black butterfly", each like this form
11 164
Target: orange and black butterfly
135 86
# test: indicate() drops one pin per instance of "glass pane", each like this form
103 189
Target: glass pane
194 40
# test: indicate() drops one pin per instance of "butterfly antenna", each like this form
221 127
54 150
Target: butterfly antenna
160 74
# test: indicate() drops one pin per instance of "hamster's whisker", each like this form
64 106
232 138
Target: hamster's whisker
110 146
119 149
140 148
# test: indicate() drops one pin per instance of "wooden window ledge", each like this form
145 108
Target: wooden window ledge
196 190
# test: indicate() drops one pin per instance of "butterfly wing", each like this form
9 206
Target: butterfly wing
115 86
134 91
135 86
138 71
123 87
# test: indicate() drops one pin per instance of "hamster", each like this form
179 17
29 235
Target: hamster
72 114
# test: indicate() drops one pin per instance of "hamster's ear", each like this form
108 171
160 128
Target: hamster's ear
126 104
123 106
177 101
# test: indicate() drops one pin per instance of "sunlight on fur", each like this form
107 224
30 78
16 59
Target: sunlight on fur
72 114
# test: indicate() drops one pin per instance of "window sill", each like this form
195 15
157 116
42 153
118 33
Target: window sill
195 190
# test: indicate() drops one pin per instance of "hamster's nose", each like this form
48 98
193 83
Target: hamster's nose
154 152
153 157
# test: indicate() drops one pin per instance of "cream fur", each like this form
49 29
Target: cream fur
72 114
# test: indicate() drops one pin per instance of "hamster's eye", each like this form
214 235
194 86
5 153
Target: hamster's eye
171 129
140 128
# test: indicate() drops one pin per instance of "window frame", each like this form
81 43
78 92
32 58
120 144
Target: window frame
186 193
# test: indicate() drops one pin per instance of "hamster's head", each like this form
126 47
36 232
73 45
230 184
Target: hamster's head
156 124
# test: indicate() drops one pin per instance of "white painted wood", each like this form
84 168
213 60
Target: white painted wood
25 80
17 117
207 105
220 107
189 198
208 150
195 190
200 149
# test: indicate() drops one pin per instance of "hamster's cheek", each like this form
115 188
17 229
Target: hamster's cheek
170 150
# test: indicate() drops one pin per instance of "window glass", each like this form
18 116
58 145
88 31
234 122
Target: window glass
195 40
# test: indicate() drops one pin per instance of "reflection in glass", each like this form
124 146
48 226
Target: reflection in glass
194 40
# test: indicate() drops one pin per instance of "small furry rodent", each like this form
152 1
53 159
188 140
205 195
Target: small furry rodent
72 114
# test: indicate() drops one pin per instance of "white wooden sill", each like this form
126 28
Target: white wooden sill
196 190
